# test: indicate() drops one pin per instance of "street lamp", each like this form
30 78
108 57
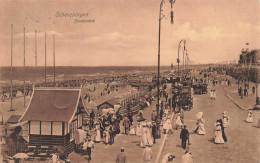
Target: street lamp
158 135
178 60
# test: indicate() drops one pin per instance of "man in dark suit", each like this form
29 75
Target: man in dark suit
184 137
126 124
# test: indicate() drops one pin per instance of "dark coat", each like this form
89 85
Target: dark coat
184 134
126 123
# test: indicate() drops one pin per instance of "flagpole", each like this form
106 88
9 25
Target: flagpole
24 67
54 58
45 63
11 109
36 48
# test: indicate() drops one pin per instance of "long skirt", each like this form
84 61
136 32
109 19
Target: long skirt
218 139
144 141
97 137
138 130
249 119
149 137
107 137
201 129
225 122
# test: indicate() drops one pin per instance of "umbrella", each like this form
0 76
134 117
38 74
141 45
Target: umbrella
21 155
110 109
199 115
111 112
140 119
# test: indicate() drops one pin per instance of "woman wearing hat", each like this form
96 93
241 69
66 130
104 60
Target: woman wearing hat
144 141
200 121
178 121
167 126
107 135
225 119
97 133
138 129
249 118
149 133
218 138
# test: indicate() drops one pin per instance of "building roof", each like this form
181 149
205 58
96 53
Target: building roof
111 102
13 119
52 105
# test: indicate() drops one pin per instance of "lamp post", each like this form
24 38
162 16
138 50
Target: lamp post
178 60
158 135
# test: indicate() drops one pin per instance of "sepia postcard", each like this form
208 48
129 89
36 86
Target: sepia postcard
129 81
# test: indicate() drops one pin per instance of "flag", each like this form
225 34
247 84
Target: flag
247 43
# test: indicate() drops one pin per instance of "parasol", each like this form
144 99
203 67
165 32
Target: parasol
199 115
140 119
21 156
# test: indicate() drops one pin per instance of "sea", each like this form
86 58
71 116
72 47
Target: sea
38 73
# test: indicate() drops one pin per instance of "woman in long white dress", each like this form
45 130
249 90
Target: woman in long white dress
132 129
107 135
97 134
225 119
214 94
138 129
200 122
249 118
211 94
178 121
144 141
149 134
167 125
218 138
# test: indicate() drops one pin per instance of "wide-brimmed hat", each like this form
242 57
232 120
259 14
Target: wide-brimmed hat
218 123
199 115
144 124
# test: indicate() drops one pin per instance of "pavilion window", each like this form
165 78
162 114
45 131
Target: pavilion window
35 127
56 128
45 128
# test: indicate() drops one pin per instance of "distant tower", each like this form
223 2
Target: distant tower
172 70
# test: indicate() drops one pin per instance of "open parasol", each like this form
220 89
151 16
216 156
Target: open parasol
21 156
140 119
199 115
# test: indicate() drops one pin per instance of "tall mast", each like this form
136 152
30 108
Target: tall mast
54 58
24 67
11 109
36 48
45 63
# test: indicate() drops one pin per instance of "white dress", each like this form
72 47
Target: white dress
201 129
97 138
178 121
225 121
149 136
167 125
211 95
249 118
107 136
138 129
218 139
132 130
144 141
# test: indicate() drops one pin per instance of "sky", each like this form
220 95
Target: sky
125 32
